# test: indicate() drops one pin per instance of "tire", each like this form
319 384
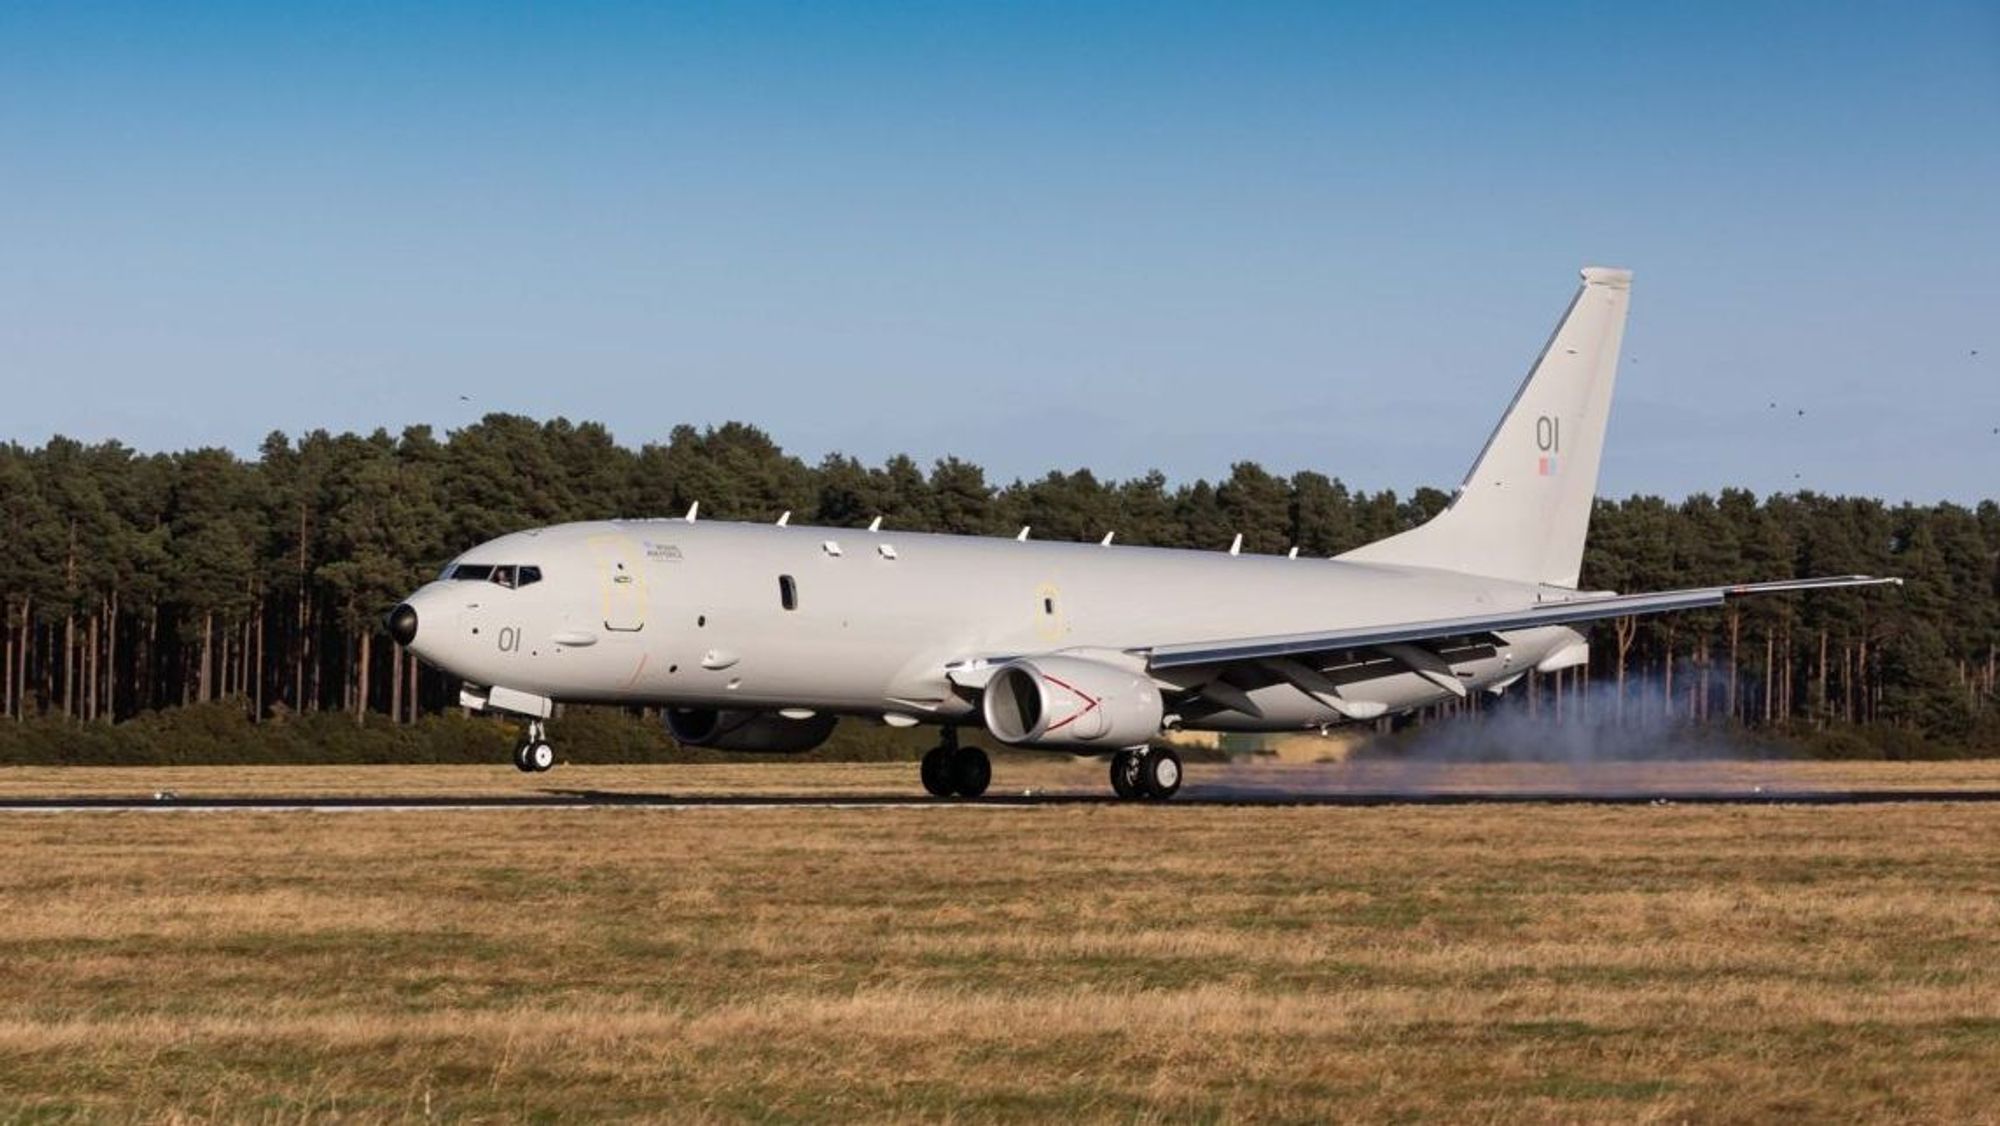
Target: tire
1125 775
541 757
521 758
971 772
1160 774
936 772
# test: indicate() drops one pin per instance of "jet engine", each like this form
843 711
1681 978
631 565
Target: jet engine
1070 702
730 729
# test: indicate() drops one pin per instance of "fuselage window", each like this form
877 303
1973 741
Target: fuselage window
473 572
504 574
1048 606
788 592
527 575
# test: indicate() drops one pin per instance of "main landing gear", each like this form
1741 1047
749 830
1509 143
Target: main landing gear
534 755
950 769
1146 773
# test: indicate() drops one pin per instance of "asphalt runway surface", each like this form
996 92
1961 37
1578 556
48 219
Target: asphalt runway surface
1193 797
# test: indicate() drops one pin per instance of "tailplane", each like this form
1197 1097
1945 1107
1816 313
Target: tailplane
1523 510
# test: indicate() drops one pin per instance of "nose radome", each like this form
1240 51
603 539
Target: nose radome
402 623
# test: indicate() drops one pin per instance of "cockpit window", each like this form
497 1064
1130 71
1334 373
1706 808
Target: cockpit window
505 574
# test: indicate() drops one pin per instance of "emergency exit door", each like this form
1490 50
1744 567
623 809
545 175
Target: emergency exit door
620 568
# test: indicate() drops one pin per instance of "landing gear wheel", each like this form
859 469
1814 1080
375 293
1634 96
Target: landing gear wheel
1160 773
540 757
936 772
521 758
971 772
1125 775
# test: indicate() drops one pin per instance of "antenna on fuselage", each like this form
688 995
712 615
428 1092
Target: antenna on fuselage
1236 545
1023 537
692 509
875 525
1293 553
785 519
1106 541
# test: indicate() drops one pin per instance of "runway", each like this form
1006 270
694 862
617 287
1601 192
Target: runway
1204 797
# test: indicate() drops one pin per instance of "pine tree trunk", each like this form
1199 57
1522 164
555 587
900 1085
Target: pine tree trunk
1820 705
257 690
314 661
1667 678
68 662
361 679
90 673
111 664
1735 634
1847 682
395 682
7 678
207 680
1623 630
1867 686
27 649
1769 669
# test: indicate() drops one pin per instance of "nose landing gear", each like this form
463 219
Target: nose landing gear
950 769
534 754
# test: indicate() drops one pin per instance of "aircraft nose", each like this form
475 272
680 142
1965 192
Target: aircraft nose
402 623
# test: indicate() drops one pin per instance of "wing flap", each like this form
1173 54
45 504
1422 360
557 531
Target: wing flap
1567 611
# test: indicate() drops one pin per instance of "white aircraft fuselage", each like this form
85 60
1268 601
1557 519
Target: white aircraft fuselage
694 614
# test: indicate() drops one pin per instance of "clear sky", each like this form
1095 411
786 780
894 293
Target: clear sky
1169 235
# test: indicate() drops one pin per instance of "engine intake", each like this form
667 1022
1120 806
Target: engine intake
729 729
1070 702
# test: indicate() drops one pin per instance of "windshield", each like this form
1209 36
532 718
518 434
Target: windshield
505 574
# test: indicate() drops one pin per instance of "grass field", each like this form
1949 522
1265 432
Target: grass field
1112 962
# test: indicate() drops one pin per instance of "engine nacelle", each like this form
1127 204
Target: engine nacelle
1070 702
729 729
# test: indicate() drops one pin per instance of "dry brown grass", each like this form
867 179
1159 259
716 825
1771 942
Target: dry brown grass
1109 962
1058 774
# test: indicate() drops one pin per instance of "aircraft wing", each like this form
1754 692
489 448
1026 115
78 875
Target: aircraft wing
1564 611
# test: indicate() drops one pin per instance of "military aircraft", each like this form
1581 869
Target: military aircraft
760 637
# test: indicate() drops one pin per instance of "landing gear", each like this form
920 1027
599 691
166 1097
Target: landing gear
1125 774
936 772
534 754
951 769
971 772
1160 773
1146 772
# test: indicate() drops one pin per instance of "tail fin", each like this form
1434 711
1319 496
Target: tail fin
1523 510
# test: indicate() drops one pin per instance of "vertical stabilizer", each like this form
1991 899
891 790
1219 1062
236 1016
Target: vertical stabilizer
1523 510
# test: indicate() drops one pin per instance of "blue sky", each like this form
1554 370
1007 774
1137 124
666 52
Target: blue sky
1033 235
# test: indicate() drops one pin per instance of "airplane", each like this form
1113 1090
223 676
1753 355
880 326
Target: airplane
761 637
